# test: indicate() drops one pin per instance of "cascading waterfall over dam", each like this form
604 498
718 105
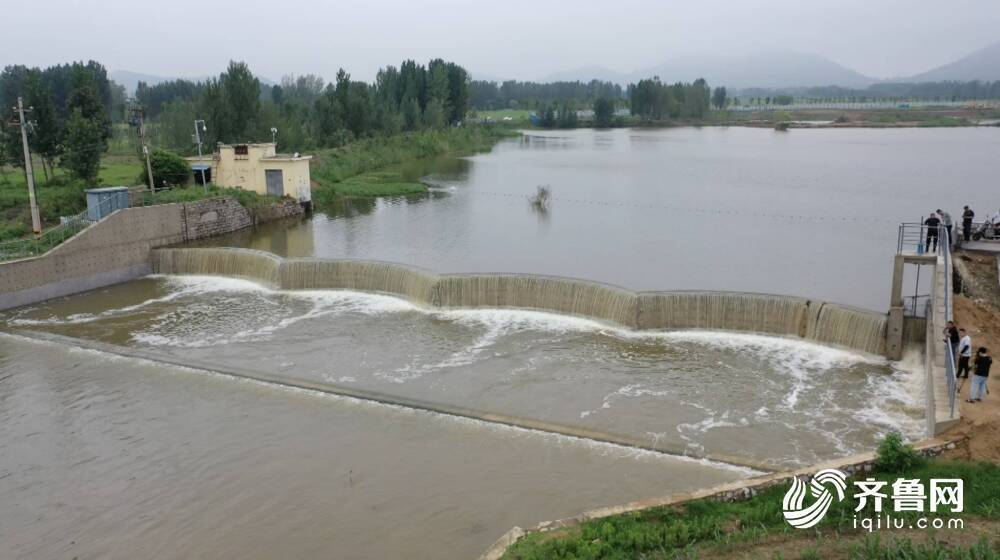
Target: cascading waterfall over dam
526 291
733 311
243 263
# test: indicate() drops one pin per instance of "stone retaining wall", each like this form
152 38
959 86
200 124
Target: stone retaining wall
287 208
215 216
729 492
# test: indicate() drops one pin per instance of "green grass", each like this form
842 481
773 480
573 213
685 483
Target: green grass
342 171
193 193
712 527
57 196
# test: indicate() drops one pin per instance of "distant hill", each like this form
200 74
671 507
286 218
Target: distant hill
983 64
131 79
766 70
586 74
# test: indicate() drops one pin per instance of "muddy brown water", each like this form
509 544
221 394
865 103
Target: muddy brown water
112 457
108 457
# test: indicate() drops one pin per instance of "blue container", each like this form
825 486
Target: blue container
102 202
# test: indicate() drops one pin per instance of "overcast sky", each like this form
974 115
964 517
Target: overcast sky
508 38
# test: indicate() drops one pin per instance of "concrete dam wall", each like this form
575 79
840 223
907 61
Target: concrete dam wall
732 311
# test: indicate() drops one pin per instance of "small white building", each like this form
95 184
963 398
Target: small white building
258 168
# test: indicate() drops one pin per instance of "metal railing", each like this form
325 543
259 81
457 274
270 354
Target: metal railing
917 238
949 352
51 238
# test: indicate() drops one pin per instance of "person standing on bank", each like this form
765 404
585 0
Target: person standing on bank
946 222
964 355
952 338
983 363
967 216
932 223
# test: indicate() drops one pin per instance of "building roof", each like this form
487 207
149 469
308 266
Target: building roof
286 157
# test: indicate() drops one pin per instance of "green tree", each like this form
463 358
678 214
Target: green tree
411 113
719 97
176 126
231 105
85 97
46 137
241 91
437 82
604 112
434 114
547 117
169 169
458 92
84 144
566 116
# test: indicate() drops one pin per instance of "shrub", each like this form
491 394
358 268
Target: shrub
893 455
169 169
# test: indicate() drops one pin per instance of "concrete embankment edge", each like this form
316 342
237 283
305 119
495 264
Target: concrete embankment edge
393 400
728 492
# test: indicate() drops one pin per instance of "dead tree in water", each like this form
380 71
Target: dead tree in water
542 198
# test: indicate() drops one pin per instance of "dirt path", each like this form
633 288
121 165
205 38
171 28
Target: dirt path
978 311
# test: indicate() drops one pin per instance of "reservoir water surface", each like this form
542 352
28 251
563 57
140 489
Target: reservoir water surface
109 456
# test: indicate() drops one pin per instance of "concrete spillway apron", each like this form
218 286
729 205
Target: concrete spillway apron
393 400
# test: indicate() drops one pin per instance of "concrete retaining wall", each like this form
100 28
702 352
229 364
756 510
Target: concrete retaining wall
729 492
770 314
117 248
113 250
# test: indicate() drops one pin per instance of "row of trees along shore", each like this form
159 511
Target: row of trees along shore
308 112
77 109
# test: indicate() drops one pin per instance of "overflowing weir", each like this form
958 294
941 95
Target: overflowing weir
733 311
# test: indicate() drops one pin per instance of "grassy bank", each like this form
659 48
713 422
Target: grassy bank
57 196
248 199
756 528
361 169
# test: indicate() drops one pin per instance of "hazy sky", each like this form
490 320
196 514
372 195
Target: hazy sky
507 38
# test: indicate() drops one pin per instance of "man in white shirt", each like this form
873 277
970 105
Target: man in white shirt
964 354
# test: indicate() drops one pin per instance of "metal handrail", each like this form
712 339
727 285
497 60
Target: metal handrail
949 363
913 237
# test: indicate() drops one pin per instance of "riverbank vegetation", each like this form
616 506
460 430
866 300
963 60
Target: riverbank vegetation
755 528
58 195
366 168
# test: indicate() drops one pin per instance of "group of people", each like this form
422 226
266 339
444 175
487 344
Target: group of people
941 218
961 348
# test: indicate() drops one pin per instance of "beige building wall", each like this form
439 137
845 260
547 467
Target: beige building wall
249 171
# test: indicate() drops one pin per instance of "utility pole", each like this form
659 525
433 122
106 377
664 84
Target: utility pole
197 140
36 222
138 115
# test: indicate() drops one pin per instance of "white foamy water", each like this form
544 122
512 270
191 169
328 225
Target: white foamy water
700 390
